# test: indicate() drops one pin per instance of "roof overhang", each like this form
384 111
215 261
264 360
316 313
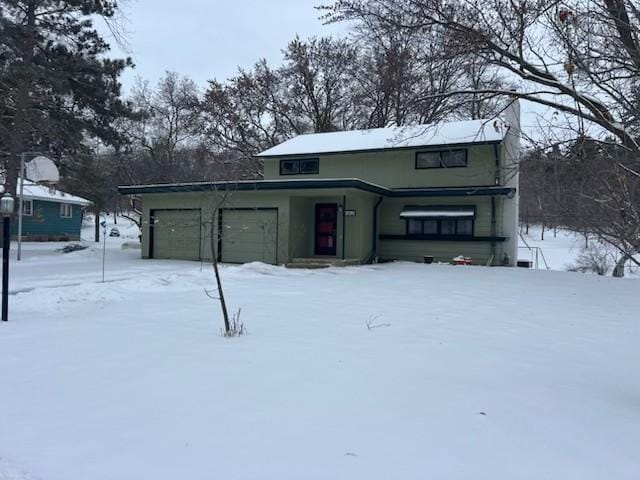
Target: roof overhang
447 146
73 201
434 135
438 212
339 183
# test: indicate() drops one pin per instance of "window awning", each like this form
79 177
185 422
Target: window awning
437 212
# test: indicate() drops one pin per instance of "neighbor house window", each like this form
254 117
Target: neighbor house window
299 166
27 208
441 159
441 221
66 210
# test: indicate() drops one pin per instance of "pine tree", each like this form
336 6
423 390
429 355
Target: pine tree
57 88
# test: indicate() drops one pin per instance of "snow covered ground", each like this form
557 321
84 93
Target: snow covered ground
465 372
560 251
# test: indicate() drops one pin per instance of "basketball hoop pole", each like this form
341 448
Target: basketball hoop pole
41 169
20 201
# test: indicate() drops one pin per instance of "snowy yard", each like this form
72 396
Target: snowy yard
472 372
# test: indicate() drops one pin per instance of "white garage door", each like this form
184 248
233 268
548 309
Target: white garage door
249 235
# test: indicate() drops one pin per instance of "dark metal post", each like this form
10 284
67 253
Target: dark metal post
6 245
344 226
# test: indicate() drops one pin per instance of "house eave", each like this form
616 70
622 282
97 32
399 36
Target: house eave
305 184
378 150
57 200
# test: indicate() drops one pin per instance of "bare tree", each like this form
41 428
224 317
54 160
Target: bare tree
167 123
582 61
317 73
399 74
248 113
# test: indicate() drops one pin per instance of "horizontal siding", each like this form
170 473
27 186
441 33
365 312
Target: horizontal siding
396 169
442 251
392 224
46 221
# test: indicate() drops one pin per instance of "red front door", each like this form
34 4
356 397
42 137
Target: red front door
326 226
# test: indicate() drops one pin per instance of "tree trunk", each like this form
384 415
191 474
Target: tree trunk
618 271
19 133
214 253
96 226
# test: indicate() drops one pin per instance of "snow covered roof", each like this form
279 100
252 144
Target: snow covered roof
33 191
449 133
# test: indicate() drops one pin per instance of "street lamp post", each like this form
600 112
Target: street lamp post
6 210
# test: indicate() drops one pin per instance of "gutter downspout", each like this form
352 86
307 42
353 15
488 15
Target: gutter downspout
374 234
493 229
496 155
344 231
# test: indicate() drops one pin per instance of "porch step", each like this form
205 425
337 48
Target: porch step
322 262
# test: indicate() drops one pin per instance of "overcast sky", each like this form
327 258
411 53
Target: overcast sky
207 39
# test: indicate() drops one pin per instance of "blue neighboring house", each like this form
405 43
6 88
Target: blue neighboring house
49 214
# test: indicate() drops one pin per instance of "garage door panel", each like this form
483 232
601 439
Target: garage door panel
176 234
249 236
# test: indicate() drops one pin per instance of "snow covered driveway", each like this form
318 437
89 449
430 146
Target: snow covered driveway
470 373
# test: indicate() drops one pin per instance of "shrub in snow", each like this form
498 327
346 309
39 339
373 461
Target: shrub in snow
596 258
236 327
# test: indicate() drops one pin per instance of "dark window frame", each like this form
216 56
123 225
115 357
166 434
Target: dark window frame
442 164
439 235
299 161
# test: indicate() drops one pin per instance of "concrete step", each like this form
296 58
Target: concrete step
321 262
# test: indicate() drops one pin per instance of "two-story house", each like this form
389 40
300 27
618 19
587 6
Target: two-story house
440 190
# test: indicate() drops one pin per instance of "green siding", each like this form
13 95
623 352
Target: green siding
396 169
392 224
392 169
46 222
210 203
443 251
295 218
359 228
301 227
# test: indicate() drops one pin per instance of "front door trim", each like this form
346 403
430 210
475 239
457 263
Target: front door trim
331 250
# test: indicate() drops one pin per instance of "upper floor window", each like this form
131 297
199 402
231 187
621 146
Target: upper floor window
299 166
66 210
27 208
441 159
